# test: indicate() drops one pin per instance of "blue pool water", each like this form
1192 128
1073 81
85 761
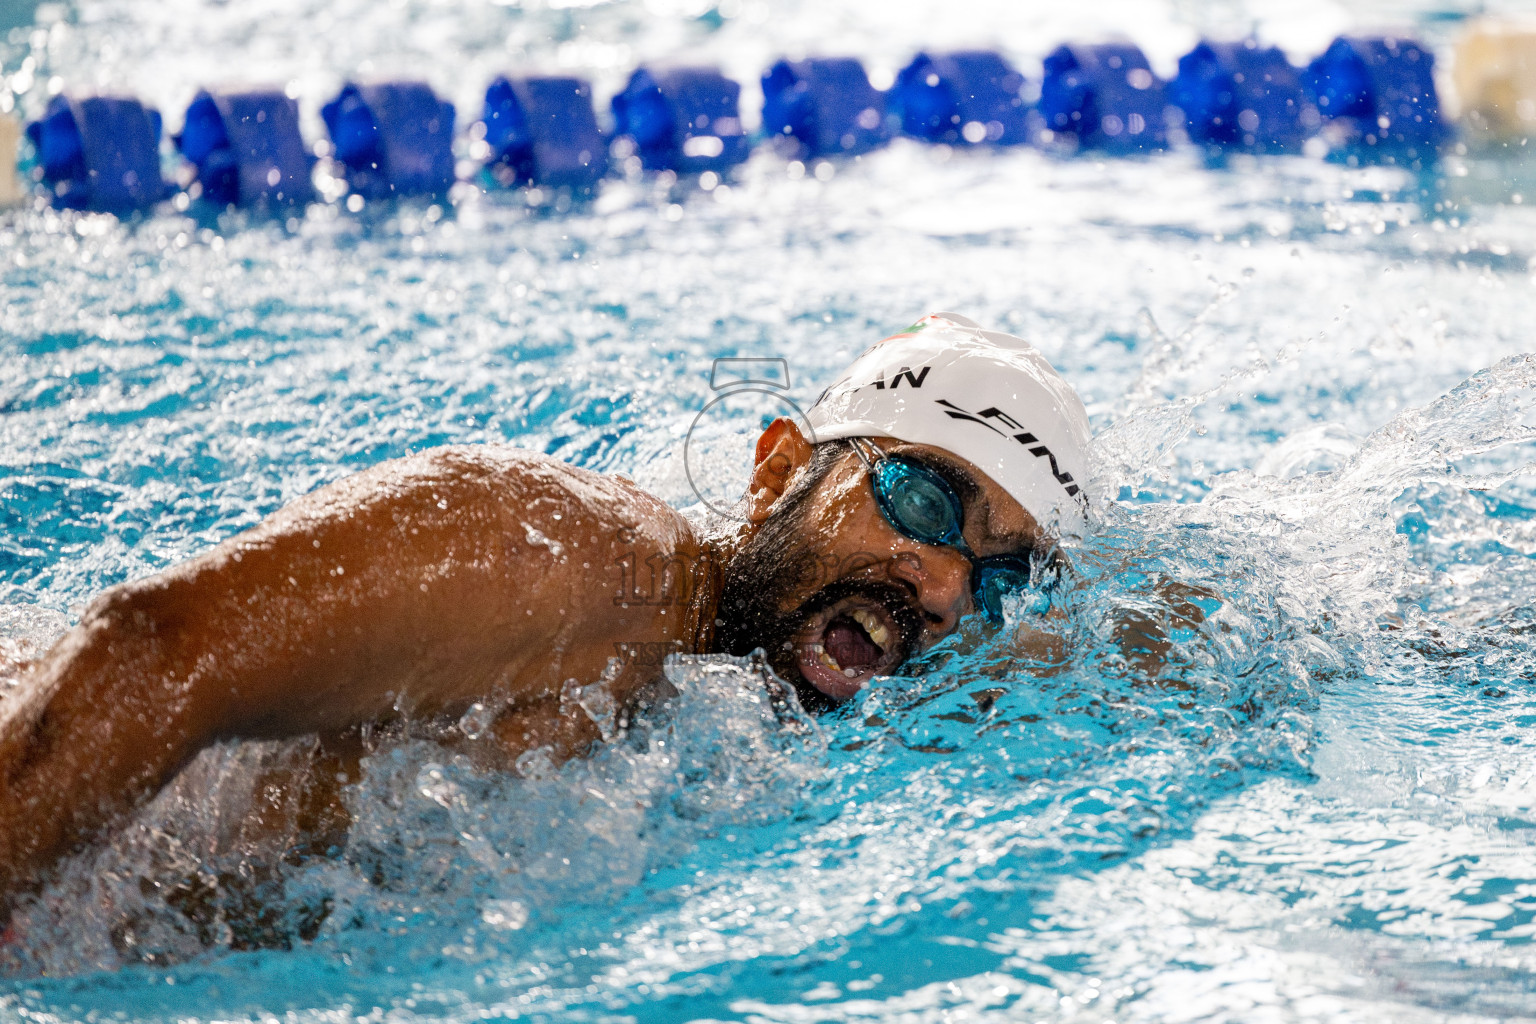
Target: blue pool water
1311 398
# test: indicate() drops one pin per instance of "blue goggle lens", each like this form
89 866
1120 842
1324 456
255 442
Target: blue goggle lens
917 502
994 579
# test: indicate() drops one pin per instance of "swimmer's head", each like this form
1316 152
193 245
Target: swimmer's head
824 582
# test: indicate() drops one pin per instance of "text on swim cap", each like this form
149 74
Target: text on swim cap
1023 436
914 380
905 372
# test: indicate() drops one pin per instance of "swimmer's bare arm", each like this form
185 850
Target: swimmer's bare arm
1142 627
417 587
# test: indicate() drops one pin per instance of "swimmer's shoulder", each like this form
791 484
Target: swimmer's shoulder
531 484
440 496
639 573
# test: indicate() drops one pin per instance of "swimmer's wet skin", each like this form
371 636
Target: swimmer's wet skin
421 586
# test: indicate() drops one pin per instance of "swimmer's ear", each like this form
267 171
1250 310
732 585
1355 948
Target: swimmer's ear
781 451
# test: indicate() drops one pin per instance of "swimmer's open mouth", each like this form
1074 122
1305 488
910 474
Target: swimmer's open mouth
847 644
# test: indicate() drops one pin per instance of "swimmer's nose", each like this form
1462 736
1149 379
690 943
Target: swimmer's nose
941 576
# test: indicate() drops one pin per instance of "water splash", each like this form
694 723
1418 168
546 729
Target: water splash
1188 668
1323 776
1186 655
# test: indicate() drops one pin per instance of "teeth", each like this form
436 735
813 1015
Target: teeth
827 660
873 626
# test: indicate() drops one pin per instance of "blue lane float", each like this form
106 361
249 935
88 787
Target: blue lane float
393 139
682 119
972 97
824 106
1370 98
100 153
247 149
1379 94
1103 97
1241 96
543 131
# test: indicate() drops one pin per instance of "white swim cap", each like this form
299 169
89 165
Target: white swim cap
987 397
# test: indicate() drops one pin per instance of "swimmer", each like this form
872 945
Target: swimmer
939 472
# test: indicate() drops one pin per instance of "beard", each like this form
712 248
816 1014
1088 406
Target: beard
761 580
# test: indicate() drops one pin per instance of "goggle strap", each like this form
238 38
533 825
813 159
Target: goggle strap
858 449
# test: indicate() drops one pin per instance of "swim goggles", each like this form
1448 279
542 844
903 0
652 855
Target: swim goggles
923 506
